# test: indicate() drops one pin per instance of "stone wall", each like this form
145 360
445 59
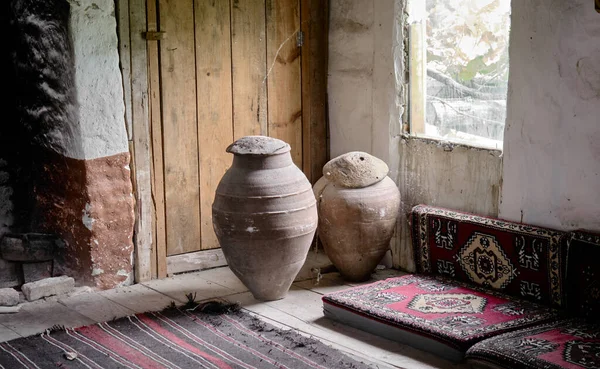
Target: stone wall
6 191
69 121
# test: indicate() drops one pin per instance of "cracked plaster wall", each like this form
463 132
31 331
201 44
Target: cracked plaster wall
364 105
552 137
548 174
80 181
103 211
98 80
367 98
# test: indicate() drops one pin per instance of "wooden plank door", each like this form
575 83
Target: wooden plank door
179 126
219 70
215 132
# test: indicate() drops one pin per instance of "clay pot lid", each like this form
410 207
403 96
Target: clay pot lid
258 145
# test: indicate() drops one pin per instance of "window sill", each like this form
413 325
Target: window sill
455 142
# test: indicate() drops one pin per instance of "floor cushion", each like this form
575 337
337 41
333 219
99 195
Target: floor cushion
566 344
583 275
517 259
432 313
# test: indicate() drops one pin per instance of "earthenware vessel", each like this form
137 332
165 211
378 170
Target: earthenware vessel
264 216
356 224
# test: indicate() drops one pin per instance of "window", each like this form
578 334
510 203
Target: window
458 62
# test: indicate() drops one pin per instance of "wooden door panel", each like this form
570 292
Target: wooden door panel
179 124
228 69
314 15
249 68
284 78
215 128
204 77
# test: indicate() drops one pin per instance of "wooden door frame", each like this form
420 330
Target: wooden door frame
314 18
139 75
131 25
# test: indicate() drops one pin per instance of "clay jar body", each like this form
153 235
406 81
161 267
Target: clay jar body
356 225
264 216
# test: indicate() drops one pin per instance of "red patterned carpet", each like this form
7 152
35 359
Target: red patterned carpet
173 339
517 259
568 344
453 313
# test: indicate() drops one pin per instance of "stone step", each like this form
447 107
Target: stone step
9 297
48 287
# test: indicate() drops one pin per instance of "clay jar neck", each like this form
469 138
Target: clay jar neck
255 162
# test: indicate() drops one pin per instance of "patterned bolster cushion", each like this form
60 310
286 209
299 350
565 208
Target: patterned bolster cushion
516 259
573 344
583 275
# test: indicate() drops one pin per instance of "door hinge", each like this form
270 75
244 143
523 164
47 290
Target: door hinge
300 39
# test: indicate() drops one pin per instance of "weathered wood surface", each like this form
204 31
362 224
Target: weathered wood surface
249 68
141 142
215 128
179 126
283 74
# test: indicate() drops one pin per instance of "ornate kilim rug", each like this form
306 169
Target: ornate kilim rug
517 259
568 344
173 339
450 312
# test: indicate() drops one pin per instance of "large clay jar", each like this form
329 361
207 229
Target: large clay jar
356 225
264 216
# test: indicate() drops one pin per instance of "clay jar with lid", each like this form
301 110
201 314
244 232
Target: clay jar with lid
358 206
264 216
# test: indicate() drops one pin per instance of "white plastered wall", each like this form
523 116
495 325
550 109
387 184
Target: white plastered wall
367 97
552 138
364 106
97 80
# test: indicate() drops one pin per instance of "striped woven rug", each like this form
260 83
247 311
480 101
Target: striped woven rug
173 339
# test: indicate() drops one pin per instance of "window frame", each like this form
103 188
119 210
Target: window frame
416 53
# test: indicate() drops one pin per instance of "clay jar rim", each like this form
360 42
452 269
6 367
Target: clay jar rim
258 146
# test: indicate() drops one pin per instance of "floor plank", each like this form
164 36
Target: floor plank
328 283
96 307
225 277
35 317
139 298
380 275
177 288
7 334
302 310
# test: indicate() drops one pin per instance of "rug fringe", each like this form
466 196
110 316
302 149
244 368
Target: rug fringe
55 328
210 307
215 307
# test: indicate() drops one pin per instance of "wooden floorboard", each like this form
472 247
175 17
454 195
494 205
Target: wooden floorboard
95 307
301 311
179 287
139 298
7 334
38 316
